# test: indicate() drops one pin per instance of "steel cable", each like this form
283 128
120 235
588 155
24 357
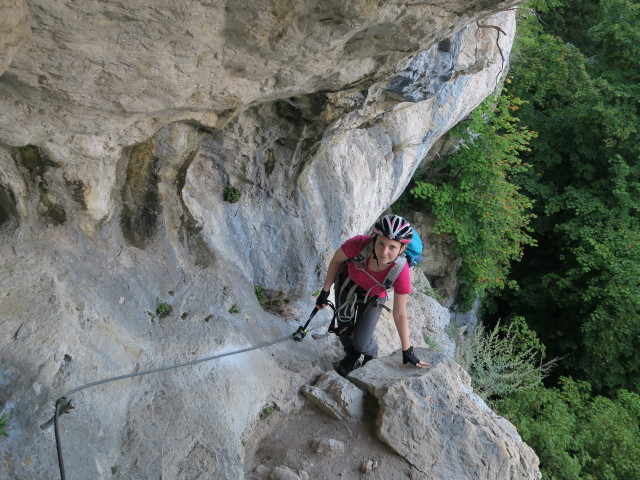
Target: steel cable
147 372
58 443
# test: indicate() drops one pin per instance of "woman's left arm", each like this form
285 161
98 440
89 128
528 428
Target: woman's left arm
402 326
401 320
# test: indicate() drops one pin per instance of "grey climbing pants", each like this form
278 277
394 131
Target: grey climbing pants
359 338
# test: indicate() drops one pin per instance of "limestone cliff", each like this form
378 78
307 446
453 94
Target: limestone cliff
189 154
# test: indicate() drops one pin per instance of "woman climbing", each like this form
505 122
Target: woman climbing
374 264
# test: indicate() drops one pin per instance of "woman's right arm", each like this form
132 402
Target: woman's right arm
334 267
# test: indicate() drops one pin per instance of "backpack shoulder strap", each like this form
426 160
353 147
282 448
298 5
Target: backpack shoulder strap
361 258
394 273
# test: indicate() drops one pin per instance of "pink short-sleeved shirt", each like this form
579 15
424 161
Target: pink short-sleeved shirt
352 248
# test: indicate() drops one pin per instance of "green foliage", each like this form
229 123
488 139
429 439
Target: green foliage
234 309
3 425
261 294
433 293
618 39
231 194
580 288
504 360
578 67
475 201
267 411
578 436
547 423
163 309
431 344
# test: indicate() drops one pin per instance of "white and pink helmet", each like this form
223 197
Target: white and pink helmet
394 228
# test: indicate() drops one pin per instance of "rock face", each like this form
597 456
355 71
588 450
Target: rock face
441 265
14 28
121 118
208 157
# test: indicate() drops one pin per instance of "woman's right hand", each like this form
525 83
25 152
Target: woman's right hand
322 299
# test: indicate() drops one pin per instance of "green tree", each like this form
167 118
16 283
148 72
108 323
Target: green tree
578 436
474 200
580 289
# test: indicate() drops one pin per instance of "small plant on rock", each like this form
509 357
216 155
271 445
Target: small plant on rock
433 293
261 294
266 411
163 309
431 343
3 425
231 194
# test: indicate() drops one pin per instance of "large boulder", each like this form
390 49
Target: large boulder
432 418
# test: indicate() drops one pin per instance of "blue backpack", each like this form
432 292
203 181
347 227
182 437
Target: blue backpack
413 252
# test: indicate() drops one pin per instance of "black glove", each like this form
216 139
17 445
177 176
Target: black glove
409 357
322 299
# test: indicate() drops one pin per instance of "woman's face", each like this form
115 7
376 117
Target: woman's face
387 250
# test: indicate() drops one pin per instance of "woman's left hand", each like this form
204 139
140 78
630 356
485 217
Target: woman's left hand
409 357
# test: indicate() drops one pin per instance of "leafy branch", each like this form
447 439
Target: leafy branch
476 201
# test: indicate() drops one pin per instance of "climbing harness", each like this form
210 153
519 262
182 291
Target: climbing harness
350 299
64 404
